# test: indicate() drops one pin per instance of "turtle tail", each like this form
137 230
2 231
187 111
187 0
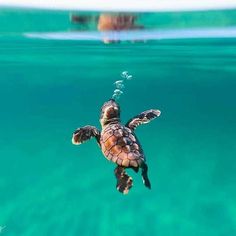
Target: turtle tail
124 181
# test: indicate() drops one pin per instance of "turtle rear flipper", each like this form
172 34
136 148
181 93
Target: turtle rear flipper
85 133
146 181
124 181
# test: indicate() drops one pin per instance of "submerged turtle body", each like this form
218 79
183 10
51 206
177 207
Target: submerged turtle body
119 143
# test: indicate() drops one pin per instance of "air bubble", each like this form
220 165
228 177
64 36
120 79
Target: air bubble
115 96
124 74
118 92
119 84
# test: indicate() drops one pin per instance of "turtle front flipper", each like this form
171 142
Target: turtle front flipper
124 181
143 118
85 133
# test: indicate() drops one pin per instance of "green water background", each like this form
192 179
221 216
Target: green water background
49 88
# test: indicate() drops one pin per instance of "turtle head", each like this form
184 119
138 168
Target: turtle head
110 112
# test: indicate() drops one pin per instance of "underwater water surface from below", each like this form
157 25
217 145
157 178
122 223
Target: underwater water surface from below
50 187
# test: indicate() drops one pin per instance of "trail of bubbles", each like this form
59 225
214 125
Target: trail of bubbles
119 85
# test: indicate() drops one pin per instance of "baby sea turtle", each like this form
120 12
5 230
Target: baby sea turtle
119 143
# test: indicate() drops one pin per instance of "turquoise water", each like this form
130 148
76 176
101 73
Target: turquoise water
51 187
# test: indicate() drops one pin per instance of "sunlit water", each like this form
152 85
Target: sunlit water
48 88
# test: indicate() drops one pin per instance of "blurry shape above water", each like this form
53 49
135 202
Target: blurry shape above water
109 22
116 27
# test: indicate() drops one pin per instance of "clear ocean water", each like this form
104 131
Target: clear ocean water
48 88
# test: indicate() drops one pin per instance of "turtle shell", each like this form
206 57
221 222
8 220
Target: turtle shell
119 144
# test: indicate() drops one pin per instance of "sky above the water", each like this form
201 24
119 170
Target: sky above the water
122 5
